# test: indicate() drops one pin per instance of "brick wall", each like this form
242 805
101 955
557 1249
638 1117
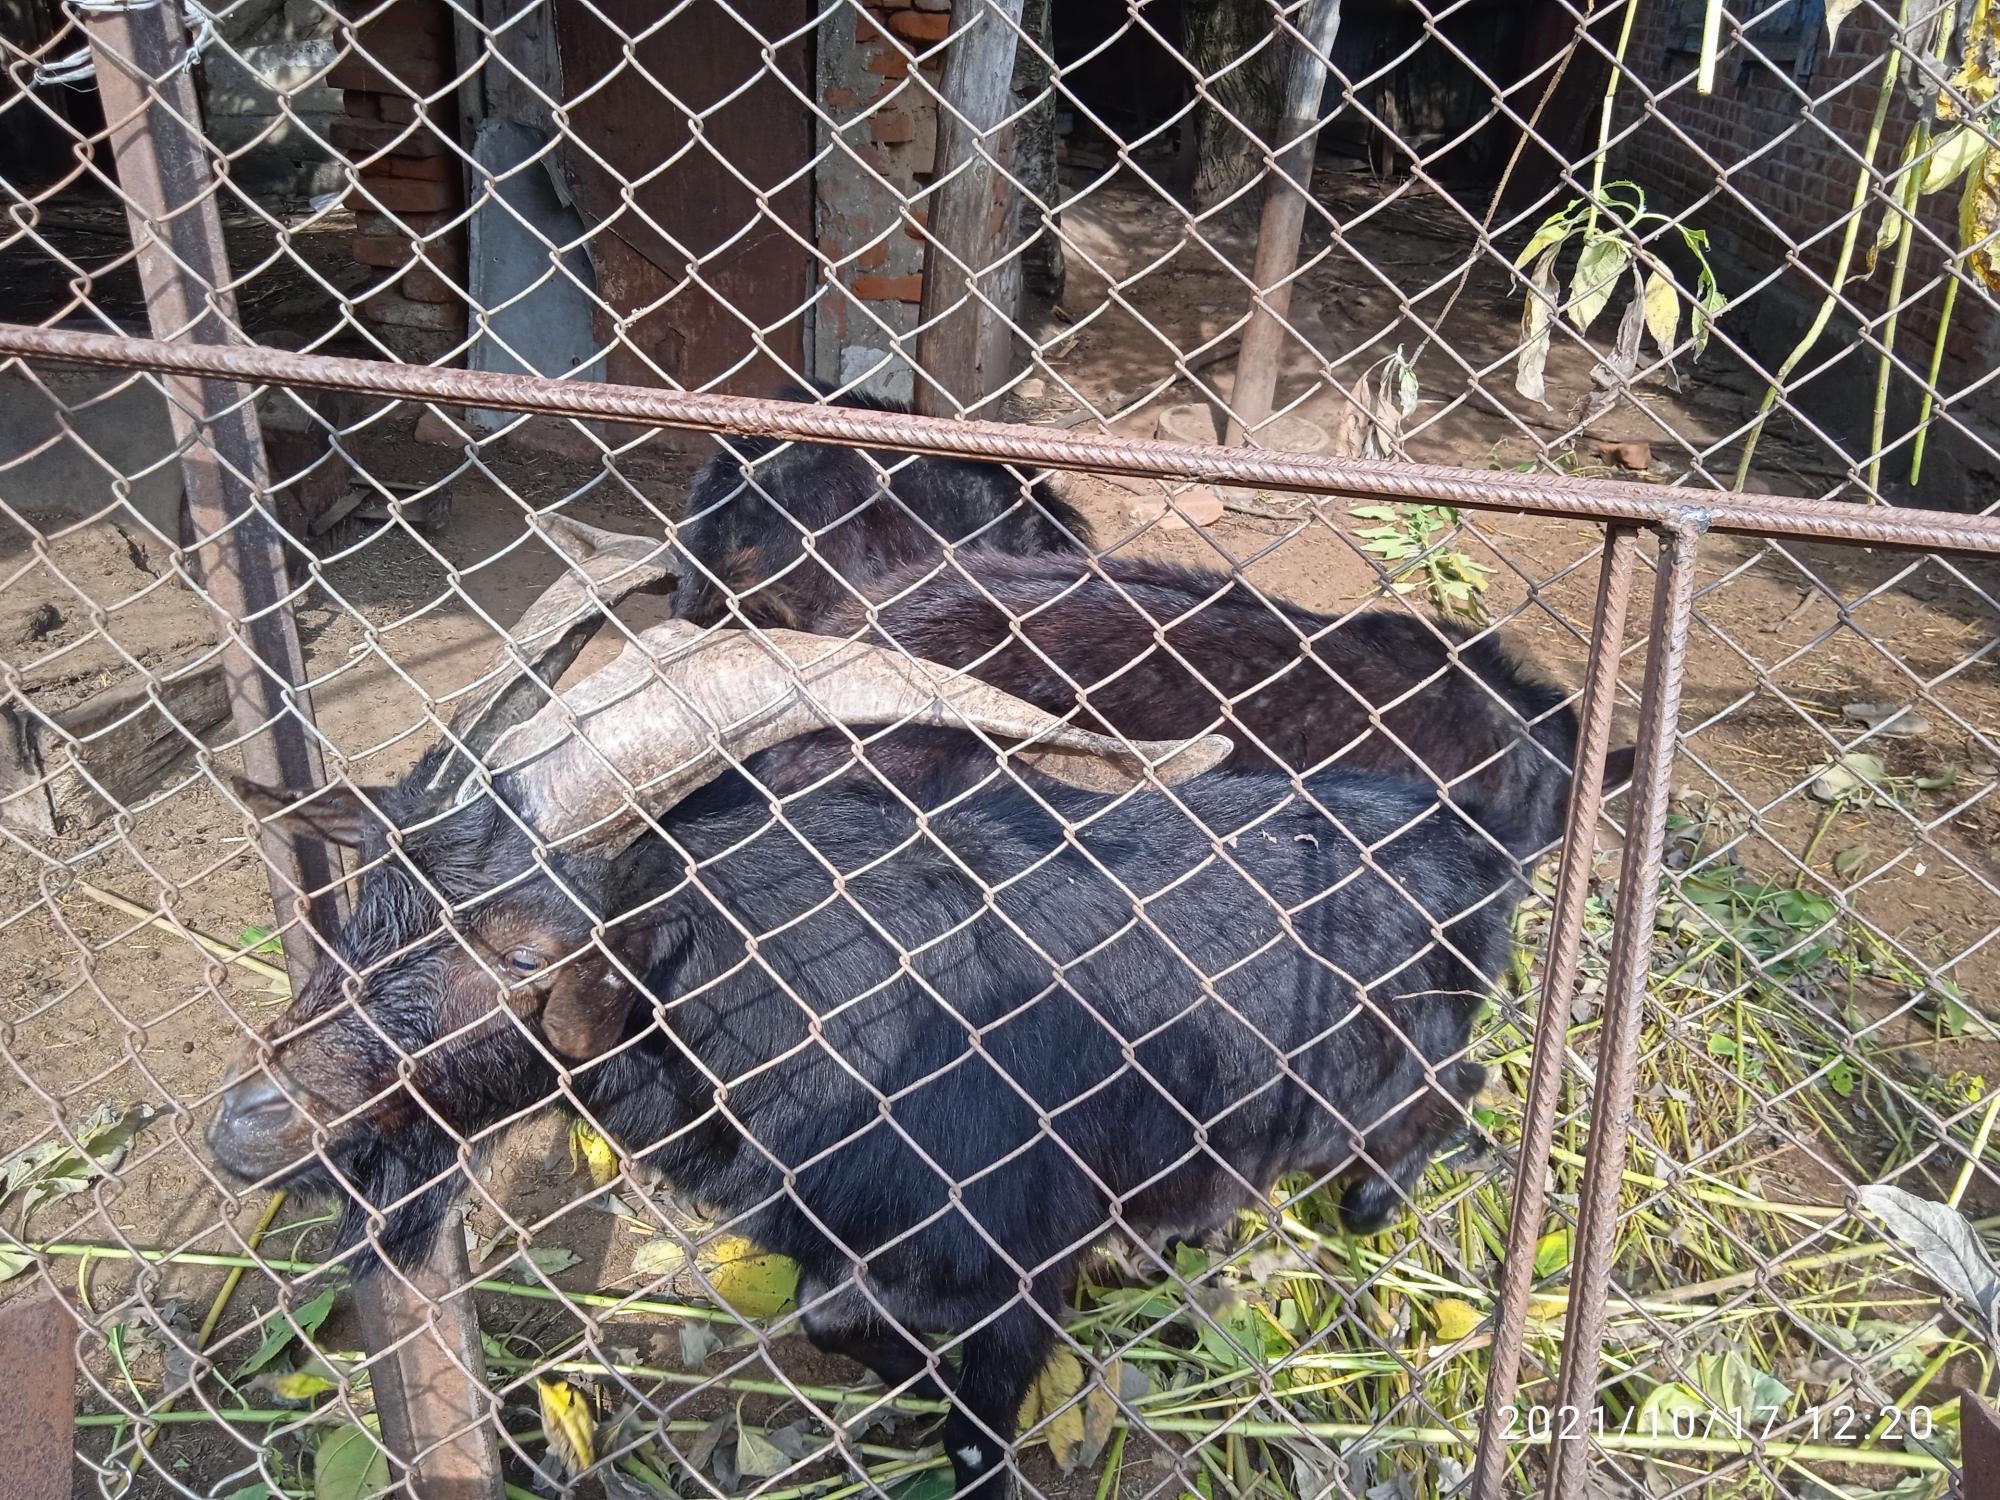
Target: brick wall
1771 180
875 280
408 202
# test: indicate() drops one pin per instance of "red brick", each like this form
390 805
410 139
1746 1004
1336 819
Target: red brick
425 168
400 312
358 138
872 288
373 221
839 98
874 258
379 250
865 30
398 109
920 25
891 127
420 75
888 63
422 284
400 195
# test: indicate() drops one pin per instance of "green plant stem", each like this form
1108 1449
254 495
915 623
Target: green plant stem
729 1383
1604 120
1107 1482
1906 203
1930 385
1812 844
1884 96
1978 1150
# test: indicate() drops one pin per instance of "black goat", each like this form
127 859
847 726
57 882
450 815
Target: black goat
1161 652
754 505
959 1048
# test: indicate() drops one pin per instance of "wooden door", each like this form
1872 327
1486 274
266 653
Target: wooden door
657 120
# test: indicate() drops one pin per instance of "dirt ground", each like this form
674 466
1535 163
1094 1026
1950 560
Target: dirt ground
98 1008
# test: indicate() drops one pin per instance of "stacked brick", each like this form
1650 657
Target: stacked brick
409 197
885 121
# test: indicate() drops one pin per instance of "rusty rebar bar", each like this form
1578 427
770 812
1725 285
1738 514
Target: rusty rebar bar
1763 516
1600 691
1624 1003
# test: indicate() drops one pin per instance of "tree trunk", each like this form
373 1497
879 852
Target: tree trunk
1230 153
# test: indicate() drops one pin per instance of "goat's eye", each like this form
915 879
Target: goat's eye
524 960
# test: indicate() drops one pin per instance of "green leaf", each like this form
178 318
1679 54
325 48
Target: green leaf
1840 1077
1553 231
13 1261
349 1465
1662 1404
932 1484
1376 513
1848 861
1190 1261
256 1491
53 1169
281 1332
1597 271
1552 1252
1961 151
1854 774
259 940
757 1456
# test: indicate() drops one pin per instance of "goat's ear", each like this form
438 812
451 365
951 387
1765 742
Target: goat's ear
586 1010
338 814
1618 766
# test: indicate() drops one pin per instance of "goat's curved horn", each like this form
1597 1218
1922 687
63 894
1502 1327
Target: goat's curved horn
661 715
603 568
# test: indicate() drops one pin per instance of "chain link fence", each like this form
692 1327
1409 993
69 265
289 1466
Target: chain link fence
1312 816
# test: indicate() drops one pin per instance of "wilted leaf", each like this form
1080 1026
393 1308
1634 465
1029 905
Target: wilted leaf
1942 1242
1100 1414
1548 237
1889 720
661 1255
54 1169
1663 1402
1061 1378
1979 215
1455 1318
349 1464
1407 389
1348 432
590 1150
1848 775
757 1456
1953 157
1663 311
702 1449
753 1283
280 1333
698 1341
298 1385
1385 422
1597 272
1848 861
1836 12
1977 81
567 1423
1537 313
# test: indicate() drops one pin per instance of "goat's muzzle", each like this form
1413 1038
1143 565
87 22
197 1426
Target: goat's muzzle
258 1131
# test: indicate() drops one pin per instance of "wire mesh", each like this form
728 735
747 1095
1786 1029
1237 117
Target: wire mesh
1015 1062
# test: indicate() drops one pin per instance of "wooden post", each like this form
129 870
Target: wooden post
965 348
154 122
1253 395
430 1386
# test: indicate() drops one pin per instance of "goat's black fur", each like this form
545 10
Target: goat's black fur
1295 689
753 505
1042 982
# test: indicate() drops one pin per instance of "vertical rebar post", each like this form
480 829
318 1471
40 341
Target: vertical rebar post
164 174
1600 689
1624 1003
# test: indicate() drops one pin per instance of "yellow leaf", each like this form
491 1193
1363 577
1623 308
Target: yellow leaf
567 1424
1100 1412
1956 154
659 1256
1060 1380
589 1149
1455 1319
1663 311
753 1283
1979 218
1547 1309
1978 80
299 1385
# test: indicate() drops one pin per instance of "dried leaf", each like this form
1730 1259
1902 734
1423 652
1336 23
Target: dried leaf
1855 773
1597 272
1537 313
1611 379
1836 12
1892 721
55 1169
589 1149
1977 80
1100 1414
702 1449
698 1341
1941 1241
661 1255
1349 430
567 1423
349 1464
758 1456
1061 1378
1385 422
1979 217
1638 457
1663 312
